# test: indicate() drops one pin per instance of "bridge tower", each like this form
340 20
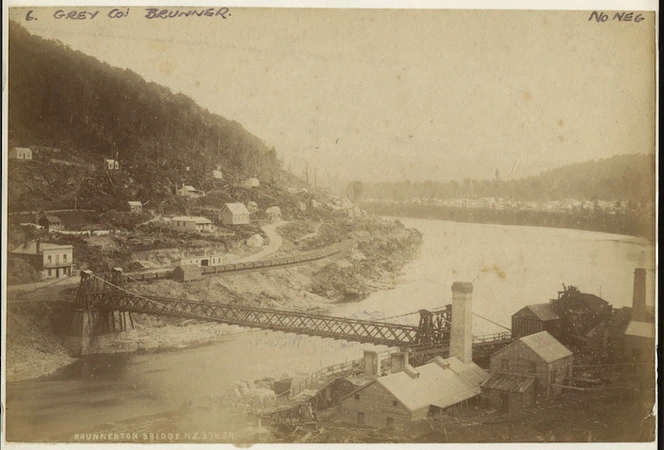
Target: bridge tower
94 329
434 327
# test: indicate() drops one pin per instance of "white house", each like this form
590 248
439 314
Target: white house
192 224
135 207
111 164
49 260
190 192
255 241
273 213
217 174
20 153
234 214
202 261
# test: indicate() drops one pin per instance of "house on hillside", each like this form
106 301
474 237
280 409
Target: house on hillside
20 153
234 214
530 368
189 192
111 164
49 260
217 174
135 207
51 223
414 393
251 182
532 319
273 214
255 241
192 224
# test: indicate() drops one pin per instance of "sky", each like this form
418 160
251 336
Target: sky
385 95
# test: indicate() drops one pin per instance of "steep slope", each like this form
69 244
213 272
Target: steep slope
80 110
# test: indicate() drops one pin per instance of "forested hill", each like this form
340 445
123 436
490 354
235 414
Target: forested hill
622 177
61 98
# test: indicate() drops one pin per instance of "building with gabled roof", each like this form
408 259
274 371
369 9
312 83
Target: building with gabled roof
234 214
530 368
414 393
20 153
189 192
533 319
192 224
135 207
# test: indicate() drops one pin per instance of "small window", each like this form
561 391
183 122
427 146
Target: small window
395 403
49 259
357 396
505 364
360 418
532 367
554 376
390 421
64 258
49 272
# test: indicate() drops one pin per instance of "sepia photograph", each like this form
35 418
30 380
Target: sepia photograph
302 225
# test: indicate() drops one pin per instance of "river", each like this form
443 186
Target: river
509 267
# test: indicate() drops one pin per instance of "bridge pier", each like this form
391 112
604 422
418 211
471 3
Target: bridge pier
94 330
99 331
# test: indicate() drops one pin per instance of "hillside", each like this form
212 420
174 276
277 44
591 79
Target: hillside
621 177
74 111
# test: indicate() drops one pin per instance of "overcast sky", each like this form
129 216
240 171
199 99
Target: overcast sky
386 95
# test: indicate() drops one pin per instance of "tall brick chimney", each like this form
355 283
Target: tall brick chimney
461 342
639 296
371 363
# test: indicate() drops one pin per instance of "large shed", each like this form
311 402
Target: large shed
187 272
538 360
234 214
414 393
533 319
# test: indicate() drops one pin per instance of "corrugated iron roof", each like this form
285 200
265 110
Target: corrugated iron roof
641 329
236 208
543 311
546 346
31 248
442 383
54 219
196 219
509 383
135 203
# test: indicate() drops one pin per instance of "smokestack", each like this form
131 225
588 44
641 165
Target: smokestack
370 363
461 342
639 296
398 361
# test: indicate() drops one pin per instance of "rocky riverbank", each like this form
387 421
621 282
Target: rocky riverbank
380 249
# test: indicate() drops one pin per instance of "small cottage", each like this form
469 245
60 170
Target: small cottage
273 214
530 368
189 192
201 261
135 207
187 272
255 241
51 223
111 164
192 224
234 214
217 175
251 182
532 319
20 153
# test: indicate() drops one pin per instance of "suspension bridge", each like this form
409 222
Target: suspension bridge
104 305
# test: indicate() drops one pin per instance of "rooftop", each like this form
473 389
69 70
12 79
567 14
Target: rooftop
196 219
237 208
509 383
442 383
30 248
546 346
543 311
135 203
640 329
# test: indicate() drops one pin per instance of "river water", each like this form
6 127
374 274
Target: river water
509 267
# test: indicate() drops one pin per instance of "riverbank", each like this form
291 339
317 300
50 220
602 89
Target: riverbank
381 248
